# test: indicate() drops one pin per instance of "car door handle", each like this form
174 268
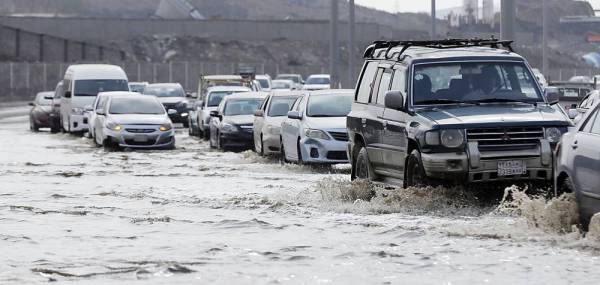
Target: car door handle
574 145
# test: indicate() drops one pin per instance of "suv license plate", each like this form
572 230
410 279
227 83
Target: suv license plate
140 139
511 167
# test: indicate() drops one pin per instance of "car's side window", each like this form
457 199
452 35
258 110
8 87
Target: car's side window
265 104
373 98
399 81
384 86
297 104
595 124
366 83
301 105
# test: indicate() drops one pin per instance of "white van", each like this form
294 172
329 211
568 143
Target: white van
82 83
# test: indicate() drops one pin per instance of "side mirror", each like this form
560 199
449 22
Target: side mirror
31 104
49 98
552 95
573 113
67 94
88 108
394 100
100 112
188 94
214 113
259 113
171 112
294 115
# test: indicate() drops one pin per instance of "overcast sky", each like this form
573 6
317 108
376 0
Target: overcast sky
423 5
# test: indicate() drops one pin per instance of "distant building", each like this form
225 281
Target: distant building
487 15
177 9
471 11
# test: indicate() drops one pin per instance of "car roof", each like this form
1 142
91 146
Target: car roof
419 54
262 76
139 83
228 88
283 80
320 75
45 93
247 95
164 85
332 92
222 77
285 93
95 71
288 74
118 93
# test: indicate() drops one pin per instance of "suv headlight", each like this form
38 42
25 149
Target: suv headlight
553 135
77 111
165 127
316 134
450 138
228 128
114 126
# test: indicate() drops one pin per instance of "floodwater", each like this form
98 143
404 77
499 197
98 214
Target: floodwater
77 214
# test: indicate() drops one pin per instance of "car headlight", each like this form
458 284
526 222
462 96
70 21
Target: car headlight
228 128
274 130
77 111
452 138
316 134
114 126
553 135
165 127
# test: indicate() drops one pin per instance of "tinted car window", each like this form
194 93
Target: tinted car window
366 83
317 80
281 106
215 98
239 107
135 106
93 87
330 105
264 83
164 91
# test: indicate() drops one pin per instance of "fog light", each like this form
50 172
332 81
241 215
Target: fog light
314 153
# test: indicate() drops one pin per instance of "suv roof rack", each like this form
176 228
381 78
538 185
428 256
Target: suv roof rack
438 44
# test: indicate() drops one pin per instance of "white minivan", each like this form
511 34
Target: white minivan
82 83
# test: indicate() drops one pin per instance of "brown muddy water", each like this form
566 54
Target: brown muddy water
77 214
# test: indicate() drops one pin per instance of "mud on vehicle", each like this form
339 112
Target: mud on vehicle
457 111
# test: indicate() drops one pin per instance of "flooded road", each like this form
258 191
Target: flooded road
77 214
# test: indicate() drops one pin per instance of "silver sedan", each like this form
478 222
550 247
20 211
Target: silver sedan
133 121
578 164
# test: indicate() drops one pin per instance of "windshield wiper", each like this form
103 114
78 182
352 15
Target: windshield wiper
501 100
438 101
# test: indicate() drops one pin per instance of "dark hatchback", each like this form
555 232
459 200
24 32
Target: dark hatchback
173 97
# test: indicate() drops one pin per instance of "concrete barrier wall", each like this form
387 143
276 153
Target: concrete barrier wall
107 30
24 45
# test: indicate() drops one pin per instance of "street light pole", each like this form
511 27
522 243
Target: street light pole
544 38
351 45
433 21
333 45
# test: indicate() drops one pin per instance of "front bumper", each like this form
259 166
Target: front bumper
240 139
320 151
475 166
271 143
151 138
79 123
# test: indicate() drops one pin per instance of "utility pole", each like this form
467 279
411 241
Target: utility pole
433 21
544 38
351 44
507 22
334 46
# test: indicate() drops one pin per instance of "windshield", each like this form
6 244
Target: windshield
281 106
147 106
242 107
329 105
280 85
474 82
164 91
139 88
289 77
264 83
317 80
215 97
93 87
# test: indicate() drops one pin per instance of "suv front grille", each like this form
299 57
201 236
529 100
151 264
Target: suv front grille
339 136
512 138
140 131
